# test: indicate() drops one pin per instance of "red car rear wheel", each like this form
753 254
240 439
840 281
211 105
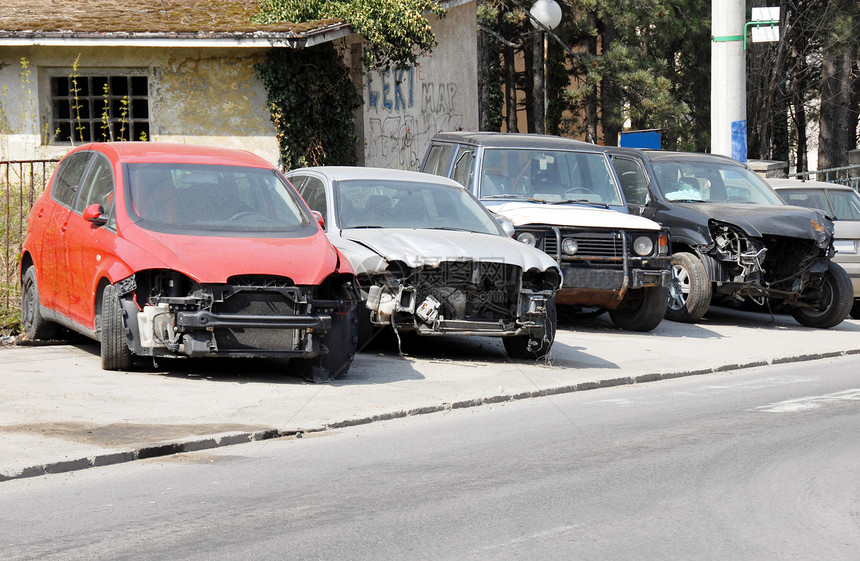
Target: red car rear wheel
33 324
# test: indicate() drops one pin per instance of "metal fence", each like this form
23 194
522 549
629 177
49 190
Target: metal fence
846 175
21 181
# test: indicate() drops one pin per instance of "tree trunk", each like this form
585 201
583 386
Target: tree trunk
591 98
611 104
800 129
531 75
484 115
757 105
834 136
510 91
536 121
773 108
854 107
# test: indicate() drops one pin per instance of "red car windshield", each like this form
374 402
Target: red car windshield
190 198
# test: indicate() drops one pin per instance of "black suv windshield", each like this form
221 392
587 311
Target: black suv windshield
711 182
194 198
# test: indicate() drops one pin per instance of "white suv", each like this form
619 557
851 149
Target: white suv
563 197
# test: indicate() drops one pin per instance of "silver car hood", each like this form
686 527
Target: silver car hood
370 249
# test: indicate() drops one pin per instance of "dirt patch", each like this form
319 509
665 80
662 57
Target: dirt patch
120 434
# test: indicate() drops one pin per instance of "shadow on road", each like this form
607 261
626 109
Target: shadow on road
256 370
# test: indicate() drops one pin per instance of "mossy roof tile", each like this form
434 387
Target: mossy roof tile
147 17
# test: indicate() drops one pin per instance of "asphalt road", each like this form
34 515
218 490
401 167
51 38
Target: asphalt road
762 463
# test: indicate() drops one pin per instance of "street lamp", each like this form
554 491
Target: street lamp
548 14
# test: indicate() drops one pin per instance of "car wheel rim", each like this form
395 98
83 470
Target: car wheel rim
680 288
826 301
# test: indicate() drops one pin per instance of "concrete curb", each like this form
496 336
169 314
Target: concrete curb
232 438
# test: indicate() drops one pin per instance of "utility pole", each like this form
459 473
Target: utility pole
728 78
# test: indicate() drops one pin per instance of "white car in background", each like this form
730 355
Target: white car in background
842 204
430 259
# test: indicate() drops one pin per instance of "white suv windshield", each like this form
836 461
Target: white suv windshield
548 175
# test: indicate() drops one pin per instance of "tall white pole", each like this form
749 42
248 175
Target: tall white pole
728 76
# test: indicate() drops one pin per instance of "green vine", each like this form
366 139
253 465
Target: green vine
76 107
396 31
312 102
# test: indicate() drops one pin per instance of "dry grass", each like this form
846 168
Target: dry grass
19 186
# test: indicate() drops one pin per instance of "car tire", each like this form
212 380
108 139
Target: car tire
642 309
366 329
115 353
855 310
526 346
32 323
690 293
339 343
837 301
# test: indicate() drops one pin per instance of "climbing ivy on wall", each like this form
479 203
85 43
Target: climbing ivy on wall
310 94
312 101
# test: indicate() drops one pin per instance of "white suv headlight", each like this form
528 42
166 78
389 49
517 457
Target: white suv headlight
569 246
643 246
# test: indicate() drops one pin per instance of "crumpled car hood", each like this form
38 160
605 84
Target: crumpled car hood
209 259
523 213
759 220
370 249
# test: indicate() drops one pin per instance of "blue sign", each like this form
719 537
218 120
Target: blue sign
739 141
641 139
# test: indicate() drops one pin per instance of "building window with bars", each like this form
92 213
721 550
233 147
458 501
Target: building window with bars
96 108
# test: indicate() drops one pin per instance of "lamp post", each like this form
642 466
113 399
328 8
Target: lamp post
547 13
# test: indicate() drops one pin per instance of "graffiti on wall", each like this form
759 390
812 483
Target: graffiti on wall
404 111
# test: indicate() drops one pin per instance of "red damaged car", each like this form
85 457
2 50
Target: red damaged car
170 250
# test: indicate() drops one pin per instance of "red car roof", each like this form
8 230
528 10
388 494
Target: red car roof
154 152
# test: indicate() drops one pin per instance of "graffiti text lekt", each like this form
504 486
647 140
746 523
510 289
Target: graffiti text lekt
397 90
394 91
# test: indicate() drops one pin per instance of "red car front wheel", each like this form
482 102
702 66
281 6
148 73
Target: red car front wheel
114 343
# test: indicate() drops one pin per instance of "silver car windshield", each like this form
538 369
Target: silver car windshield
551 176
381 203
841 205
226 199
712 182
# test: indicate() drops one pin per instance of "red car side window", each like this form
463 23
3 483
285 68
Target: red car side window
69 177
97 187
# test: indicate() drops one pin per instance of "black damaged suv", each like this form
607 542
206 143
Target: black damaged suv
734 240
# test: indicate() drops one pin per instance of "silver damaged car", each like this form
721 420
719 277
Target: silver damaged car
431 259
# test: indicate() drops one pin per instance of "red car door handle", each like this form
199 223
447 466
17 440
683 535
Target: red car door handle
63 228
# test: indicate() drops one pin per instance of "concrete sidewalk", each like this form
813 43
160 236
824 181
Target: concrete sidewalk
59 411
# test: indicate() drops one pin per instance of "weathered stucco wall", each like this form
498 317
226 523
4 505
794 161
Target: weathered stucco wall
211 95
404 109
202 96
